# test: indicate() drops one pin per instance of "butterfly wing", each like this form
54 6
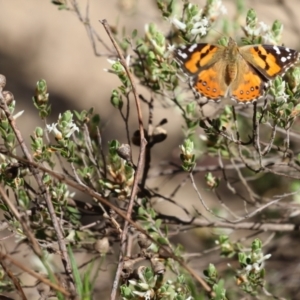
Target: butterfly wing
210 82
244 70
193 58
269 60
249 85
203 64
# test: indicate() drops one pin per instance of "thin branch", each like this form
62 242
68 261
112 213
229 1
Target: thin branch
140 163
34 274
13 278
273 227
88 191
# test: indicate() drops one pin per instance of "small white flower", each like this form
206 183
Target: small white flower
132 282
267 256
111 61
171 48
217 9
248 268
263 27
258 265
72 195
205 22
178 24
53 128
252 31
143 285
268 38
203 137
200 27
19 114
145 295
202 31
197 17
72 129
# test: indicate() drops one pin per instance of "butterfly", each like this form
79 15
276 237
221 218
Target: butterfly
243 73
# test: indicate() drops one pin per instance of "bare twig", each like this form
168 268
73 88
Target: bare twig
92 34
140 163
273 227
85 189
13 278
58 288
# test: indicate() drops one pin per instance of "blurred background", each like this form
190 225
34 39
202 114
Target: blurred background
39 41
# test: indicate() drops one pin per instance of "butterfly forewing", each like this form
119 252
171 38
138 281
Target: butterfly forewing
195 57
270 60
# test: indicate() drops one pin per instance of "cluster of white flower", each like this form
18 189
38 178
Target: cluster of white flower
64 132
199 27
199 23
258 264
216 9
260 29
263 30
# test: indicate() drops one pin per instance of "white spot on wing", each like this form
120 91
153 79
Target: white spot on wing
277 50
182 55
192 48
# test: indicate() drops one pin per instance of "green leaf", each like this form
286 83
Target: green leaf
76 274
162 241
158 223
134 34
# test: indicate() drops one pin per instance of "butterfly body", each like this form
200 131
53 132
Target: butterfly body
240 72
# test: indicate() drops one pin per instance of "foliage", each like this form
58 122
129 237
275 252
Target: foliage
242 153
